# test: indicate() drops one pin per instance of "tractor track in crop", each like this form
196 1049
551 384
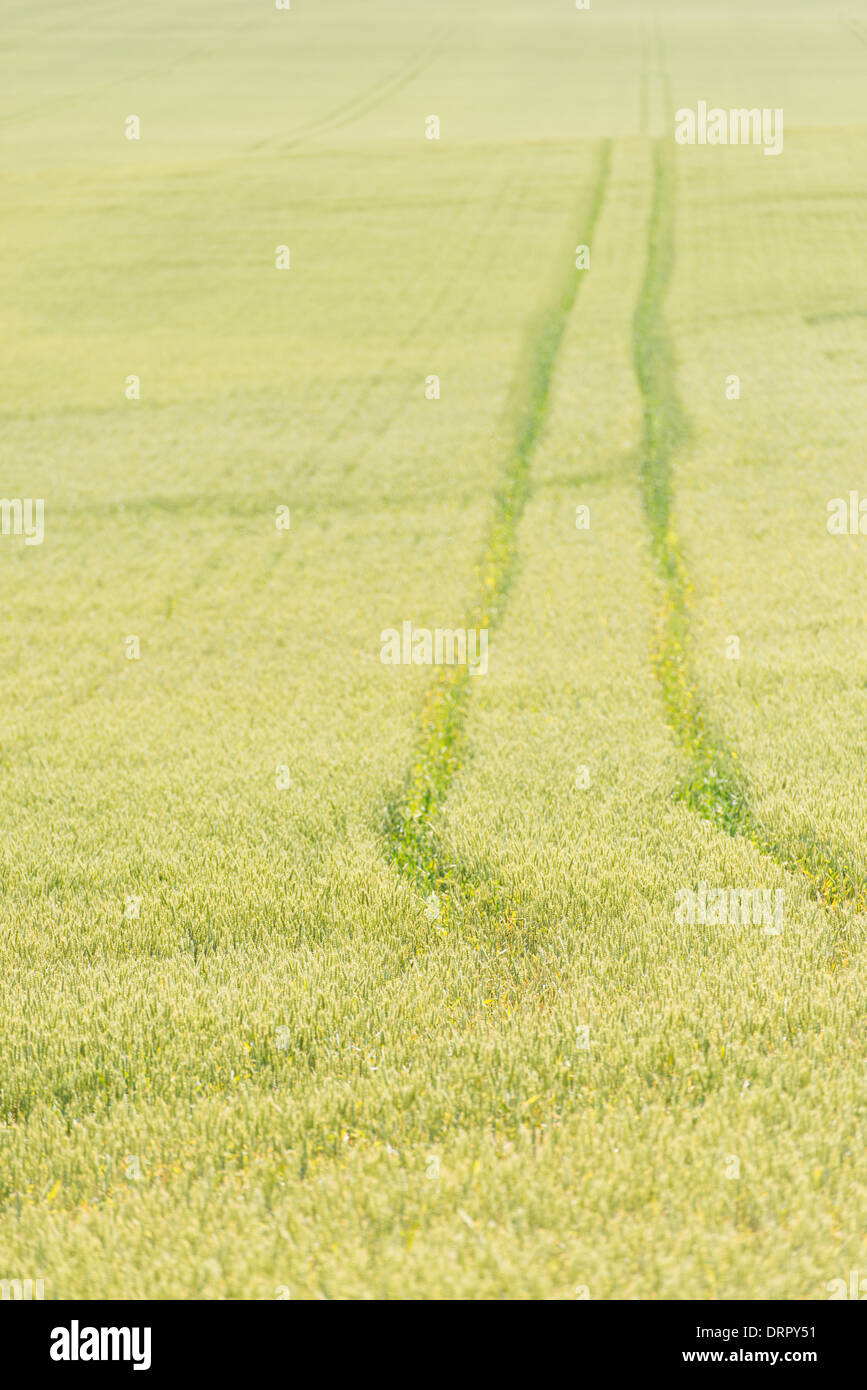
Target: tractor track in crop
412 818
715 786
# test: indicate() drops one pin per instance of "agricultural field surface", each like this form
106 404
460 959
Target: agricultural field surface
433 649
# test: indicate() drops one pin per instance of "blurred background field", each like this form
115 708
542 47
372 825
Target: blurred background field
287 1072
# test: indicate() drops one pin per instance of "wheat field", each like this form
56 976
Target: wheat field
327 976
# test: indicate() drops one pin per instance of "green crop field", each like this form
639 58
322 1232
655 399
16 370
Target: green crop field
332 968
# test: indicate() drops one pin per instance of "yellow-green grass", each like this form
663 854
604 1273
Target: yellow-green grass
782 304
286 1074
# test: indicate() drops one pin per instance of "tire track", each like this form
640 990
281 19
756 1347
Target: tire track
643 80
411 820
715 786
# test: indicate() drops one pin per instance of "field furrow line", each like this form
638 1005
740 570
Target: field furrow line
716 786
411 827
348 112
439 307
